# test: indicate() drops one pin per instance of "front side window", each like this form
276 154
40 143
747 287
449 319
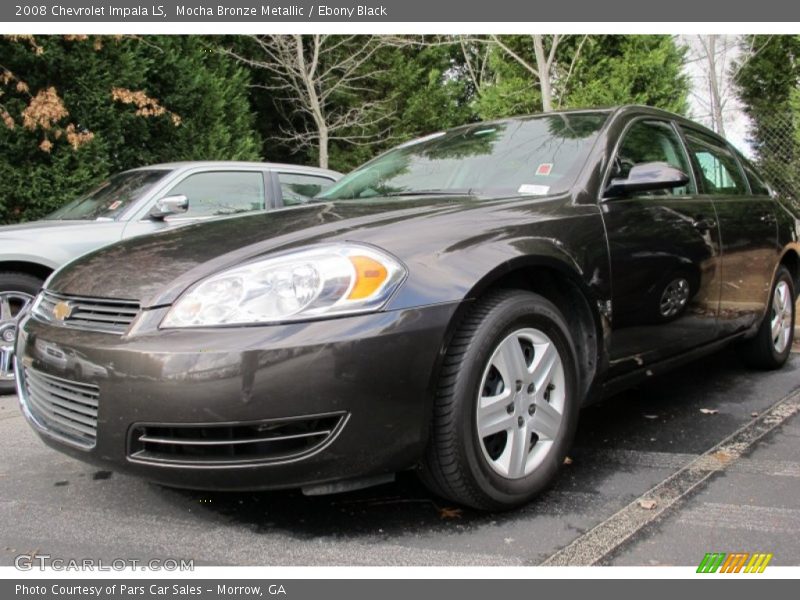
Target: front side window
718 167
110 199
299 188
221 192
651 141
538 155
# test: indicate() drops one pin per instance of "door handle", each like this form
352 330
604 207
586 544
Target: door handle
702 224
768 218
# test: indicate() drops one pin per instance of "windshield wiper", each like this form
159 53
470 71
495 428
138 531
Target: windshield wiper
429 193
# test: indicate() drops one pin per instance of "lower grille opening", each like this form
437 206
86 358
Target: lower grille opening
214 444
65 408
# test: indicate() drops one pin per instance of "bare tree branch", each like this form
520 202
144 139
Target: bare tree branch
314 73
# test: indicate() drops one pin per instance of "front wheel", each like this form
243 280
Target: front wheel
506 405
16 293
770 347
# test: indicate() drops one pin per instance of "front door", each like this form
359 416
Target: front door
210 194
665 256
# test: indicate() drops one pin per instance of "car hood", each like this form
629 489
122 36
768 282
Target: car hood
155 269
46 228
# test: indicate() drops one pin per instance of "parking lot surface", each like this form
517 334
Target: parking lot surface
705 459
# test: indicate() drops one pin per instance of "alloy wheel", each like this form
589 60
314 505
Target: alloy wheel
12 306
674 297
781 318
521 403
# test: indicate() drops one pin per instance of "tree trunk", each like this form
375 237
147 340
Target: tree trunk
713 84
323 147
544 73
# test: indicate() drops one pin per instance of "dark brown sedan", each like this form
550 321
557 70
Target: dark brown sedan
448 307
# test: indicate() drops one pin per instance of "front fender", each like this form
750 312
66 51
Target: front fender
20 250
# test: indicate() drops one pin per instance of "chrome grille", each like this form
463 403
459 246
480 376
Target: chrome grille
97 314
219 444
65 408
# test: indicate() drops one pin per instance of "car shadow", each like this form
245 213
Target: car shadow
662 415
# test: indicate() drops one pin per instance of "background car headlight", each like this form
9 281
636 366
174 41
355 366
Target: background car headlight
320 281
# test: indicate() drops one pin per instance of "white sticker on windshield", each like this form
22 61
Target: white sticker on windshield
535 190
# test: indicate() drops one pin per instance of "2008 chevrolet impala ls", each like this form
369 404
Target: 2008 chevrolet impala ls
447 307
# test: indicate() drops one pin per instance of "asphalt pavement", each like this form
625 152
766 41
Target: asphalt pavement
705 459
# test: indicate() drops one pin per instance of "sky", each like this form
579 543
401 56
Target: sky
736 122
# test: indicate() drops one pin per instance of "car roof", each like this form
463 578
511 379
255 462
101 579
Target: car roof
613 111
211 164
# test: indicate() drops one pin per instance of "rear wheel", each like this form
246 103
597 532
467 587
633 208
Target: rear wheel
17 291
506 405
771 346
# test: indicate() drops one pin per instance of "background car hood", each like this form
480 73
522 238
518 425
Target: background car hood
155 269
47 228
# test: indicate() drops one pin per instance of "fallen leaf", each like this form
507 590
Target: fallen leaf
567 460
722 457
650 416
450 513
647 504
709 411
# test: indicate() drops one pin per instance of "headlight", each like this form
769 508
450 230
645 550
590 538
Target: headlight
321 281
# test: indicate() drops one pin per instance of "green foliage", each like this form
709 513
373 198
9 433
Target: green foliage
185 74
420 93
629 69
767 85
609 70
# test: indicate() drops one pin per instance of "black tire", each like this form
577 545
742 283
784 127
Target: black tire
12 281
759 352
455 466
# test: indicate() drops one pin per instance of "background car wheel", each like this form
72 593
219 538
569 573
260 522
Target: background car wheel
771 346
506 406
17 291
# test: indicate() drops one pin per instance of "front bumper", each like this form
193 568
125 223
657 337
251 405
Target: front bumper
374 371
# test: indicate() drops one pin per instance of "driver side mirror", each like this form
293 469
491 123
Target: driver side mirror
169 205
647 177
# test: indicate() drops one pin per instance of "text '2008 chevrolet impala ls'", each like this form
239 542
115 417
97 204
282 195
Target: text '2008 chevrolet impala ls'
447 307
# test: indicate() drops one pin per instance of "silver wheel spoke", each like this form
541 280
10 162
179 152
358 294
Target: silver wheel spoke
546 421
776 326
6 369
544 361
510 361
493 416
5 309
518 454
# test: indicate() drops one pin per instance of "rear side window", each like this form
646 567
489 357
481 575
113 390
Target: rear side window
719 169
757 185
299 188
221 192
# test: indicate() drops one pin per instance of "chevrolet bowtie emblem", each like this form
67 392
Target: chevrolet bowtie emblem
62 310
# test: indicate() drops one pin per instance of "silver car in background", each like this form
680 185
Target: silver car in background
137 202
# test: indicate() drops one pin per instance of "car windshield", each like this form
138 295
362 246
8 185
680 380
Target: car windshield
111 197
538 155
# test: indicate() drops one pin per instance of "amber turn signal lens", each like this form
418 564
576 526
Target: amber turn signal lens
370 275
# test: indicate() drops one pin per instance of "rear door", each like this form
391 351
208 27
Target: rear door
664 250
297 187
748 229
